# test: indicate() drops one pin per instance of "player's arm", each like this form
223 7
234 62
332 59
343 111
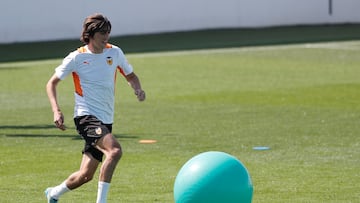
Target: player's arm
134 82
51 92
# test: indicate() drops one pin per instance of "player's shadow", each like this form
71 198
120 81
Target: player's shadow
34 127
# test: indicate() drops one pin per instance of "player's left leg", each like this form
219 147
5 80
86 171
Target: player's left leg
112 150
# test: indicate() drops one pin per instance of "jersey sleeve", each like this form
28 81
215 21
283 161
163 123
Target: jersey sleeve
66 67
124 66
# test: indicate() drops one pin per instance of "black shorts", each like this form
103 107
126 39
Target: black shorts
92 129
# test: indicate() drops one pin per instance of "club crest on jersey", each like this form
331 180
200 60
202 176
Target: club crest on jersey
109 60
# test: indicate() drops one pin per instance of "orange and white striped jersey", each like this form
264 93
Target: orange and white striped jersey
94 78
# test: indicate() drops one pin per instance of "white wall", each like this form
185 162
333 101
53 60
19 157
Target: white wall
22 20
290 12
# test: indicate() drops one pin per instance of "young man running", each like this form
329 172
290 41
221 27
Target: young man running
94 69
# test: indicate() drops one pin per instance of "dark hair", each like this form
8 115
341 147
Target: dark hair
92 24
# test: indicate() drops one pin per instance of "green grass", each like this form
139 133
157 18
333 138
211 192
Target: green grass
200 39
300 100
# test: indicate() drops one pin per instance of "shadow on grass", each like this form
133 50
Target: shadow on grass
26 127
10 68
74 137
35 127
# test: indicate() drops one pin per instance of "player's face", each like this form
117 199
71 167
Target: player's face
99 41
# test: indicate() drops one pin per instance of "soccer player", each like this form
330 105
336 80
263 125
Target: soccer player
94 68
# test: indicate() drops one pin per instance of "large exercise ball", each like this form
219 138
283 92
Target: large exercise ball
213 177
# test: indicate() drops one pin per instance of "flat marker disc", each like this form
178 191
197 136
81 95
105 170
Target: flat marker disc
261 148
147 141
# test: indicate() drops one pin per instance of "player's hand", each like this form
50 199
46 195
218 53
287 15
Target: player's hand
140 94
59 120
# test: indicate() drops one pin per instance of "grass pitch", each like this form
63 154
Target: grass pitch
300 100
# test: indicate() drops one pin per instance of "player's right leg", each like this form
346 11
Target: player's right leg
86 173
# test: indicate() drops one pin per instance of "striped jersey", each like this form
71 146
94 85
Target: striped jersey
94 78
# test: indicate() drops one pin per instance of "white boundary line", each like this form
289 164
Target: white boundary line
346 45
349 45
338 45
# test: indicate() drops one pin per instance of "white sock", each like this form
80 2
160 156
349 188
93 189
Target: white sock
59 190
103 189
